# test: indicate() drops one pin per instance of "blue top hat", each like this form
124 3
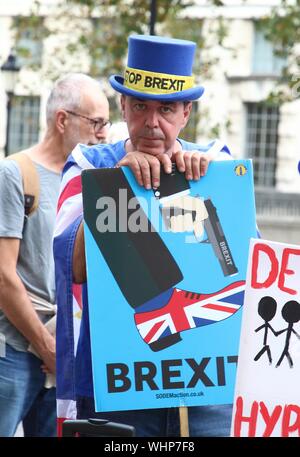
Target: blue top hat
158 68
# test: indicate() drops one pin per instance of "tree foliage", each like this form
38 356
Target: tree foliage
91 35
97 28
282 28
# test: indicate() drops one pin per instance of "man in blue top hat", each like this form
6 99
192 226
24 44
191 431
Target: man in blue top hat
157 91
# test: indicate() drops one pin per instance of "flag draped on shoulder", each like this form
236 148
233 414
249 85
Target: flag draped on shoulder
69 294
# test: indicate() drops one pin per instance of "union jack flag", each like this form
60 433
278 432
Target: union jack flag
186 310
69 295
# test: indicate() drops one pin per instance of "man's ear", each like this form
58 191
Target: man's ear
122 102
187 108
60 120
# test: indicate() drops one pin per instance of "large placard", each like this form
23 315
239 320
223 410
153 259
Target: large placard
166 275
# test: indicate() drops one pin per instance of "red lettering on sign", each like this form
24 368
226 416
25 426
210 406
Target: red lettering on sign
239 418
286 426
259 247
270 420
286 271
290 419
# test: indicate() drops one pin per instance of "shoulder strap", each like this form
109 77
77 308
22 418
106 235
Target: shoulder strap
31 181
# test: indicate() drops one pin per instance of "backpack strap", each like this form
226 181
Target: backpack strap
31 181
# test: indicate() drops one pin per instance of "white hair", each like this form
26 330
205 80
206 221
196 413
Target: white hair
66 93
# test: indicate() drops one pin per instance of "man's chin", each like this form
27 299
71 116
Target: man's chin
153 147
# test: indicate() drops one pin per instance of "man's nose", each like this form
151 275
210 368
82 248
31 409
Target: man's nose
102 134
152 119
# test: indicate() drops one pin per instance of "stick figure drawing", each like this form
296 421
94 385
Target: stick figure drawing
291 314
266 309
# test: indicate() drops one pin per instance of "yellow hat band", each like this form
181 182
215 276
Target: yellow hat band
156 83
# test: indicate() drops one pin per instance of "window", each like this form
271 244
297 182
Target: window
264 59
29 48
24 123
261 141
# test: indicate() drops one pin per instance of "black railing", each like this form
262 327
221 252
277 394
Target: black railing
274 204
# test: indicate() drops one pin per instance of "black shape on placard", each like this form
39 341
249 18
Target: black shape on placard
140 262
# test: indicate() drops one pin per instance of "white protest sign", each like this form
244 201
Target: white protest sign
267 394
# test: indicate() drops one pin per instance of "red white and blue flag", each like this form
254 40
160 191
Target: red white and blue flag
69 294
187 310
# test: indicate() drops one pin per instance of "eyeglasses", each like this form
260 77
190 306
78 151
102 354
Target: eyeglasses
98 124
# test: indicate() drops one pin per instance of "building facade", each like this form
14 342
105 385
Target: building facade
248 71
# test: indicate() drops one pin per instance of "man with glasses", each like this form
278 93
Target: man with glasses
77 111
97 123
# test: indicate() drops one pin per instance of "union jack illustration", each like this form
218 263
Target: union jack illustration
186 310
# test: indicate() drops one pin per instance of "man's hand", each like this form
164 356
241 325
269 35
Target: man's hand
17 306
193 163
146 168
47 354
185 214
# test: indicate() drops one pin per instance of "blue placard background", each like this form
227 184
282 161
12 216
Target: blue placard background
114 336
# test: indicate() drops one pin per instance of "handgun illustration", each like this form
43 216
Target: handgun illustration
175 185
216 237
